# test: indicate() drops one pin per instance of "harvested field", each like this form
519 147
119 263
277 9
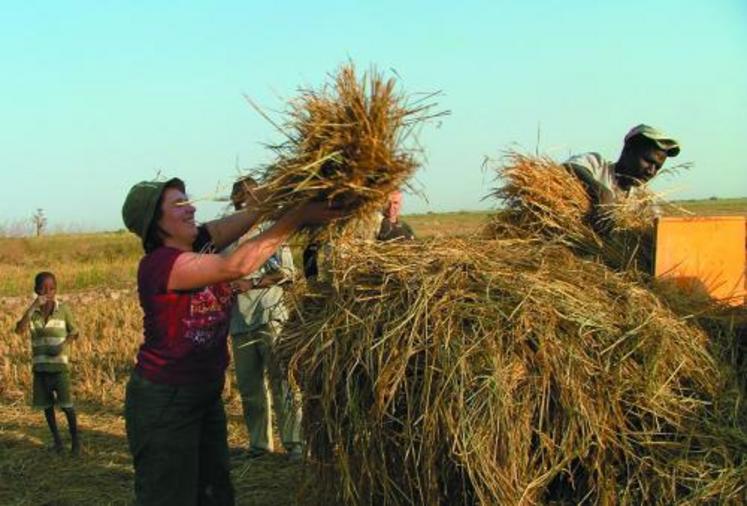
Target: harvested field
84 261
110 324
101 365
103 474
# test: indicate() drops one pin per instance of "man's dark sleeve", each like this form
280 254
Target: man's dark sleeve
204 241
581 173
384 229
408 231
310 267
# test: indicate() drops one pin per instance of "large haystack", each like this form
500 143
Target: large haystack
507 372
535 366
348 143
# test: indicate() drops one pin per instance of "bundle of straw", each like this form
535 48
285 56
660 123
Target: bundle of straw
346 144
544 199
506 372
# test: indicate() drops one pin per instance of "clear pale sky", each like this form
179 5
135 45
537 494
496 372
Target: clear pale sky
95 96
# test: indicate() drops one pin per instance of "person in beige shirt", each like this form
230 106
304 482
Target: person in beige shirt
645 149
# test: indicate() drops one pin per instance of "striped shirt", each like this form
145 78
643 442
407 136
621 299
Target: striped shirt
50 351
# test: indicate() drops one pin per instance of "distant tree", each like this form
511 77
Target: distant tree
713 198
39 221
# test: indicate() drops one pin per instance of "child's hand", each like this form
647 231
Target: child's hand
39 301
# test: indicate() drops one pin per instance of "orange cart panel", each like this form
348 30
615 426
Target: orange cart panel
703 253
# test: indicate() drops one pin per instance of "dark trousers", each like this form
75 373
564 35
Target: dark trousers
178 441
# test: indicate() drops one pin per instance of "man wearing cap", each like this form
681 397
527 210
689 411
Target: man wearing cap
645 150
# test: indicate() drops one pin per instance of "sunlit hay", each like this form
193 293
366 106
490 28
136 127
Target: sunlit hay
636 212
350 143
726 326
504 372
545 200
541 197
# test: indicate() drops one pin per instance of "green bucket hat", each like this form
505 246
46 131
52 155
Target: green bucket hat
140 205
663 141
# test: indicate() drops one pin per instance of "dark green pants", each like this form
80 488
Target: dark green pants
49 386
178 440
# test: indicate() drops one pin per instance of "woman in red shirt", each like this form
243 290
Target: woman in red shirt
176 424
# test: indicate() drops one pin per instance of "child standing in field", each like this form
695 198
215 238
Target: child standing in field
52 327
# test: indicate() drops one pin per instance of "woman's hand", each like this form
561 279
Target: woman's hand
319 213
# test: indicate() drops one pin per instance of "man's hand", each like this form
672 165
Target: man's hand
272 279
242 285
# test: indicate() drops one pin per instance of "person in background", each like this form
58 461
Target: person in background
645 149
391 226
256 322
52 327
174 414
379 226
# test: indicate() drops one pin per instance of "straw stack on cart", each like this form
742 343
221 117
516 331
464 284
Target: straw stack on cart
507 372
533 366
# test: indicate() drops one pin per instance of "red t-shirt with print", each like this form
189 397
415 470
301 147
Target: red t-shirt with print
185 331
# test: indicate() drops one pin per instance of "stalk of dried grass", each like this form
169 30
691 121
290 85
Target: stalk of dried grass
544 199
506 372
347 144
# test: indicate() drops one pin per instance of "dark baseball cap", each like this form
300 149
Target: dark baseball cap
663 141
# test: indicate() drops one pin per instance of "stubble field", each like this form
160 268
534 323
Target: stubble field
96 274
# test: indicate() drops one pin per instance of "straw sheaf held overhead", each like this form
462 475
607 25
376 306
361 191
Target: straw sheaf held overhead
351 143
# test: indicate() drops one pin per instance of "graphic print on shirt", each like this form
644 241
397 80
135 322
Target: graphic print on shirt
209 315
